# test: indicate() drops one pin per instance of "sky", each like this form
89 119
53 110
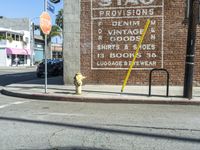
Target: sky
31 9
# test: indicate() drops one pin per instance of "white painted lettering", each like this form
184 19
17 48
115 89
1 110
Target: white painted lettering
153 30
99 31
105 3
124 55
108 47
125 32
101 13
100 38
100 23
109 63
126 46
153 22
125 23
128 12
124 38
153 37
145 46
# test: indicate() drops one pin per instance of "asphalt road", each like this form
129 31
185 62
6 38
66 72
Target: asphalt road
37 124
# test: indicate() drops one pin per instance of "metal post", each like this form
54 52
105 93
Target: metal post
45 57
45 53
33 42
189 63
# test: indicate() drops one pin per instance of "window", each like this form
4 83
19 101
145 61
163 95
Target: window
26 39
13 37
21 38
2 35
8 35
17 37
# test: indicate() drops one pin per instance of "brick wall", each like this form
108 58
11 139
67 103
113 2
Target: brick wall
170 42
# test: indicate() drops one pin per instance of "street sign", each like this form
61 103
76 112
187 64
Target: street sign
45 23
50 7
55 1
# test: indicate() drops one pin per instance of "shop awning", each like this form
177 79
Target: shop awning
17 51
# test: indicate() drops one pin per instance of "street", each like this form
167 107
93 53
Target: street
39 124
9 75
34 124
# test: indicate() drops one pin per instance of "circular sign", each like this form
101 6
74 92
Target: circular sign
45 23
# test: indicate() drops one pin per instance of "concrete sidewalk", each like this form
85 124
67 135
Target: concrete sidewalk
99 93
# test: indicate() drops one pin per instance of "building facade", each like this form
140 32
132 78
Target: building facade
15 23
14 47
15 40
38 48
101 36
56 51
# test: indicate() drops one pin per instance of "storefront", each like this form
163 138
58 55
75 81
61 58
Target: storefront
18 57
14 48
14 57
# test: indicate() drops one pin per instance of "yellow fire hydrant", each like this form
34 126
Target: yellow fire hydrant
78 82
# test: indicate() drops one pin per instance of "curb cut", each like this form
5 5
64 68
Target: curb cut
78 98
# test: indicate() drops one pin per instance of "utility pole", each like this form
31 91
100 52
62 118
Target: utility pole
45 56
33 42
190 53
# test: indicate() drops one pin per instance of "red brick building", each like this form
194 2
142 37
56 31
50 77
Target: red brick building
111 29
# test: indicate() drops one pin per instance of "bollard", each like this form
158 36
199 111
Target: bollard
78 82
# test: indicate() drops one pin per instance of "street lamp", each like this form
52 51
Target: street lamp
45 56
32 33
190 53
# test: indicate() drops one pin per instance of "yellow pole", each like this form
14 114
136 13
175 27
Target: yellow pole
135 55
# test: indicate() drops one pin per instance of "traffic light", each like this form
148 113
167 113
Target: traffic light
55 1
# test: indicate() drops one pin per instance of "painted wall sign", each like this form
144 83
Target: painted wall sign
116 27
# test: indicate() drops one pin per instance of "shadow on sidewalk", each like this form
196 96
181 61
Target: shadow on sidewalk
12 78
119 93
58 80
77 148
107 130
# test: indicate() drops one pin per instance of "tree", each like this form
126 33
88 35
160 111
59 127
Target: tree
59 18
2 37
55 31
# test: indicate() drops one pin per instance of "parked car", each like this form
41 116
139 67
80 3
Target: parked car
54 68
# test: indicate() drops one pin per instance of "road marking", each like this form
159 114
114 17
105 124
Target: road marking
14 103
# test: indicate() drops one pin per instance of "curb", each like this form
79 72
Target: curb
79 98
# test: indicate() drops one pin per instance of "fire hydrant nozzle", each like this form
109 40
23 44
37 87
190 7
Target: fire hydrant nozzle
78 82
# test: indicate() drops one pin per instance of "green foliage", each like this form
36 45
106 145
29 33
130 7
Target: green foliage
55 31
59 18
2 37
10 39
